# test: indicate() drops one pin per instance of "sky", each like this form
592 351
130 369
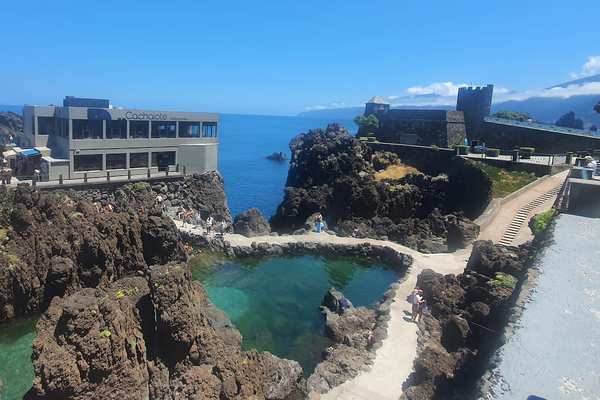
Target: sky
284 57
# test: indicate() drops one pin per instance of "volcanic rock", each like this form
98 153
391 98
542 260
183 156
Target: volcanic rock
251 223
156 337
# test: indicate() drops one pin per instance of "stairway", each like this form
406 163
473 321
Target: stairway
524 214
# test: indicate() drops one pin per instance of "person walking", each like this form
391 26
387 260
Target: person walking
418 304
209 223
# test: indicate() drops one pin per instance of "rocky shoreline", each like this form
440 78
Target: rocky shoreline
468 315
365 193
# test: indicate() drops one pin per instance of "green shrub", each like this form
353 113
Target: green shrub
141 186
492 152
505 281
526 152
105 333
540 223
462 149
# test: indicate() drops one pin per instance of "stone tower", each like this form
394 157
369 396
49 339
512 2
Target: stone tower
476 104
376 106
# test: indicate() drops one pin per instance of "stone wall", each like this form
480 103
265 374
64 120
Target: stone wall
422 127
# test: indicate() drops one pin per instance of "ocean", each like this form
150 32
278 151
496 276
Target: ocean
245 141
251 180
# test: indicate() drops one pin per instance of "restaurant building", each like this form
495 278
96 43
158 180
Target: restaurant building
88 136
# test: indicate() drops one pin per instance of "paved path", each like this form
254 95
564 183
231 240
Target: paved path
394 359
509 226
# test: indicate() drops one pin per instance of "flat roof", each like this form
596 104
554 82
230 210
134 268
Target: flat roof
541 127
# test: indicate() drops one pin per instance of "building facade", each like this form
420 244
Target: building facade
87 136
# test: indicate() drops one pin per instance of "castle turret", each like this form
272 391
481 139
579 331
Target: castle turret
376 106
476 104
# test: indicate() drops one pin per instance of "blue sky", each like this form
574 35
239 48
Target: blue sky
283 57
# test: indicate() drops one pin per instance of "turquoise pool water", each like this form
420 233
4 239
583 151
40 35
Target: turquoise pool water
16 371
275 302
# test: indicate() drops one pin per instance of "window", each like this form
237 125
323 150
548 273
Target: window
209 129
87 129
189 129
88 162
45 126
116 161
138 160
138 129
116 129
164 129
63 127
162 159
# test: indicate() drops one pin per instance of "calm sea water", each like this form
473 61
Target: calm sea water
245 140
275 302
555 352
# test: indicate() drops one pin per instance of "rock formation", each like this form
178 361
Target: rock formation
467 315
251 223
54 243
333 173
156 337
11 124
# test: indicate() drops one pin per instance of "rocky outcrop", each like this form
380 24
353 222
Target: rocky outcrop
11 124
54 244
200 192
251 223
332 301
156 337
467 315
357 333
333 173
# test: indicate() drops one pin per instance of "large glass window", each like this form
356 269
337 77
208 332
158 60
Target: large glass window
138 160
189 129
87 162
116 161
45 126
87 129
164 129
116 129
209 129
162 159
139 129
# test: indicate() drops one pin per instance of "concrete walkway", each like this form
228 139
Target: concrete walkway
510 222
394 359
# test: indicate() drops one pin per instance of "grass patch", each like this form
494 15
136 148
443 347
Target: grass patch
540 223
141 186
505 281
395 172
505 182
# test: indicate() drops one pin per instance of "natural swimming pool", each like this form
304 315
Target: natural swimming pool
274 302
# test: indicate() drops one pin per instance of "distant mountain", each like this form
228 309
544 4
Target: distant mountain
549 109
351 112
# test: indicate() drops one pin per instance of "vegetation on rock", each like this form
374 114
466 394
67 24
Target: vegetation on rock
505 182
367 124
570 120
540 223
513 115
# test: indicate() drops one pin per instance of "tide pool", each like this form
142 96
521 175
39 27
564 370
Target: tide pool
275 302
16 370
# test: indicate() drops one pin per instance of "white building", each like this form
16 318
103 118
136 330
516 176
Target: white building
87 136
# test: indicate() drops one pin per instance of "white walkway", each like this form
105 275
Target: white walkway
394 359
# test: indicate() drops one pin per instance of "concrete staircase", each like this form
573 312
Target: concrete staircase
524 214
